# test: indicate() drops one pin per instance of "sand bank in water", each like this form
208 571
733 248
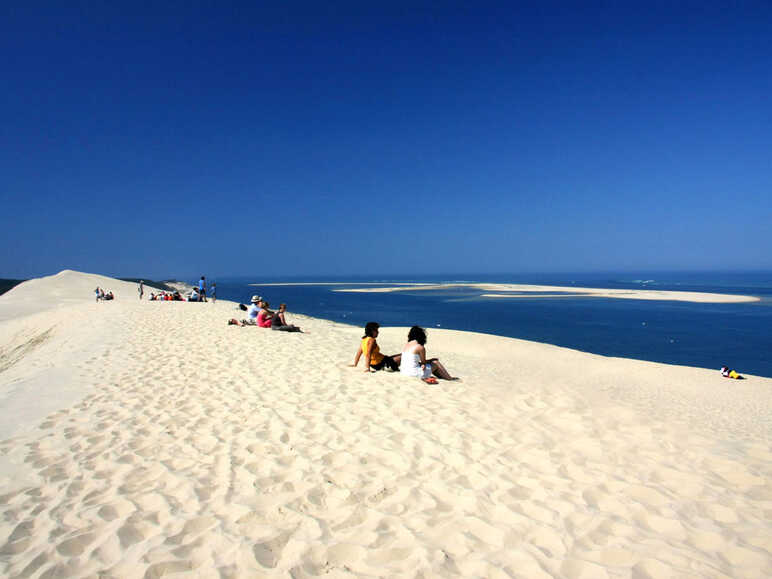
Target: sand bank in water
189 446
549 291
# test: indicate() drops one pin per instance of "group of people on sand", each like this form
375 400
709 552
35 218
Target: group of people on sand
259 314
198 294
164 296
102 295
411 362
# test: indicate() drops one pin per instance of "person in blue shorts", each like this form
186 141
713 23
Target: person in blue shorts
202 289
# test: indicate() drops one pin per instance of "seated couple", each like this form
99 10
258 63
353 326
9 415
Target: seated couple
259 314
411 362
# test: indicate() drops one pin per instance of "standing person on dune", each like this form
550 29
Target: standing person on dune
141 289
202 289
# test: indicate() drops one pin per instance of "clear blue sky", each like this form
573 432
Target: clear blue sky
188 138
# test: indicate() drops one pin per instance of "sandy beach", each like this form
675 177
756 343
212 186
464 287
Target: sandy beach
143 439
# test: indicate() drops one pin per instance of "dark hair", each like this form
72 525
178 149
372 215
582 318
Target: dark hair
370 329
418 334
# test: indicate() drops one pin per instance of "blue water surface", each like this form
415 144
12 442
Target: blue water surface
684 333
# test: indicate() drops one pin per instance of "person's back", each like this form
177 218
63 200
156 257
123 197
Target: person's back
252 313
370 346
202 289
410 364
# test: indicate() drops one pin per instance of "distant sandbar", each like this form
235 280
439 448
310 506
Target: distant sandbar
544 291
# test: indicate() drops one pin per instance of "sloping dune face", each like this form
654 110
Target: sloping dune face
48 326
66 288
146 438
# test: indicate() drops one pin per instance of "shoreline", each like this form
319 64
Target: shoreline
201 447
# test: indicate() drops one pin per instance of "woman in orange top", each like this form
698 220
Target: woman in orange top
372 352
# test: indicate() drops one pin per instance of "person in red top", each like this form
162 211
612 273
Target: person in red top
265 317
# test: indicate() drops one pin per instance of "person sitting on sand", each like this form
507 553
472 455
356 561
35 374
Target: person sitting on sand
373 358
727 373
252 313
279 322
265 317
414 362
99 294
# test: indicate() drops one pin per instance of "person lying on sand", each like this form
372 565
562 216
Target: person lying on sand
727 373
373 358
414 362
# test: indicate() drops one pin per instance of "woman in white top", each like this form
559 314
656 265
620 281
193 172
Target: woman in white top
414 362
252 312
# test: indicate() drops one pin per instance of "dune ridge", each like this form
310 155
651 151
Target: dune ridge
150 438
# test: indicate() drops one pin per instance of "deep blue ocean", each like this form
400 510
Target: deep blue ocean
684 333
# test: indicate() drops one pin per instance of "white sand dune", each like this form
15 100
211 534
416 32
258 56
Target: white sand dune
150 438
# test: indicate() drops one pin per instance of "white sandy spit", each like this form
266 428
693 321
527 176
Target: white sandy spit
150 438
552 291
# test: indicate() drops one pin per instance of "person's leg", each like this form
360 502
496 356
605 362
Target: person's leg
440 371
392 362
379 366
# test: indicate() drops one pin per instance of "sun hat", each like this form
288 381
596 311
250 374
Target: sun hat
256 299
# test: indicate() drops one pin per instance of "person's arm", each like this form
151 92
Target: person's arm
422 356
358 355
